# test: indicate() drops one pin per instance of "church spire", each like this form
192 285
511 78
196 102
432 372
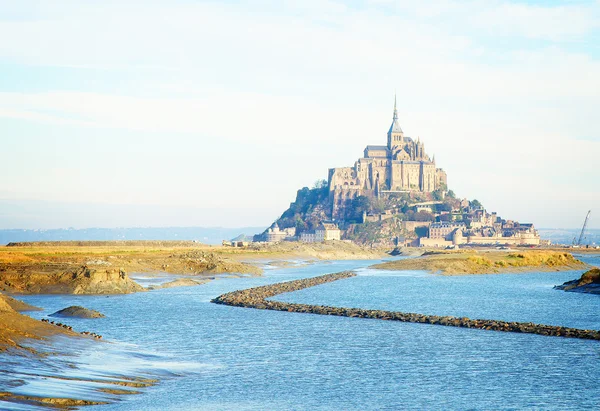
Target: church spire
395 127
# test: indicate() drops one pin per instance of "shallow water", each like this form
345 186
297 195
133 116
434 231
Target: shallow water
211 357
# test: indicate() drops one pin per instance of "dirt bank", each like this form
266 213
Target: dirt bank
19 305
100 267
331 250
63 279
15 327
486 262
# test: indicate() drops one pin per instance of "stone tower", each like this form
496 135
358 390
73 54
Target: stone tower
395 134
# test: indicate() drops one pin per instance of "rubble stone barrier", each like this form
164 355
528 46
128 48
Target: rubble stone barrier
258 298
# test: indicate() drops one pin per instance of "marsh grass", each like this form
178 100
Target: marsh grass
474 262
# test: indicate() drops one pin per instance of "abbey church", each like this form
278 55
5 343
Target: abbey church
400 166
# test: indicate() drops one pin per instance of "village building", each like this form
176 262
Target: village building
274 234
486 229
324 232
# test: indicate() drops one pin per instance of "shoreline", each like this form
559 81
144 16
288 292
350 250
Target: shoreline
101 267
95 268
476 262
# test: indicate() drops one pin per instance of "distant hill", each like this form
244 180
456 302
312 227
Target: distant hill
207 235
566 235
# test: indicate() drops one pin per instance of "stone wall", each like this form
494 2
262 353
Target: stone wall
257 298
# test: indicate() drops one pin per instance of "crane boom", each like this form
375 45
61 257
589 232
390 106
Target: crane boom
587 217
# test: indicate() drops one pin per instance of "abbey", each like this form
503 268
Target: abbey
400 166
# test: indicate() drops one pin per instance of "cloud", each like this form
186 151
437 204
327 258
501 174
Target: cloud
500 91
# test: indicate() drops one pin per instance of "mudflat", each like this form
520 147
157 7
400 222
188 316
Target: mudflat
101 267
486 262
14 327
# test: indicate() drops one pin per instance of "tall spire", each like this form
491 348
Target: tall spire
395 127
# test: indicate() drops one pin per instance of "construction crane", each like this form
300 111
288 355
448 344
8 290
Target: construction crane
587 217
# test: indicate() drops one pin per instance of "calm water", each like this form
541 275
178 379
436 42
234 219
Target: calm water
221 358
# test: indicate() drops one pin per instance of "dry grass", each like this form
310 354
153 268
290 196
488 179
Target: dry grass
591 276
41 267
124 252
473 262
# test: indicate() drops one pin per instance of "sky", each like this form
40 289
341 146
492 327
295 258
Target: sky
190 113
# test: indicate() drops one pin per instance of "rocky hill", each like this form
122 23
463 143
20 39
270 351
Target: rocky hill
313 205
310 208
588 283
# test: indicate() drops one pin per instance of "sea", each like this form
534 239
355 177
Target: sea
215 235
215 357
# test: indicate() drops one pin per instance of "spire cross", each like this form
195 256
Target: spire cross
395 111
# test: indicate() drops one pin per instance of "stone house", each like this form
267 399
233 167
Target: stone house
324 232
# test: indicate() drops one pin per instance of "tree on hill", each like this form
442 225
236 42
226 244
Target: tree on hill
424 216
445 217
319 184
438 195
310 208
443 207
475 204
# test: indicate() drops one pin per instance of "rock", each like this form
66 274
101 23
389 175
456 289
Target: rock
76 311
102 281
589 282
97 262
181 282
70 280
4 305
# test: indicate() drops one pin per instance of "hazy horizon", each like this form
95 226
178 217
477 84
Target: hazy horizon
190 113
214 235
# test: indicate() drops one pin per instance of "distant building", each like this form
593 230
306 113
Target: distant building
324 232
274 234
484 231
445 230
328 232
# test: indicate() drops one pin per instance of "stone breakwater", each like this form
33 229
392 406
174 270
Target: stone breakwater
257 298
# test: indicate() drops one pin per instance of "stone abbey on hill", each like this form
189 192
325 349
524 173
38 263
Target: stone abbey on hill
394 195
401 166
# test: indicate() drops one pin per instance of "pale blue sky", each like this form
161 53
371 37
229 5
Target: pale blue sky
182 113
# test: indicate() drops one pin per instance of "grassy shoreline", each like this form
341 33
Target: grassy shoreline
101 267
488 262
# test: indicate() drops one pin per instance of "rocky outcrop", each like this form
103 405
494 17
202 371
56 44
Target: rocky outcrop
76 311
5 307
588 283
79 280
258 298
180 282
195 262
102 281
